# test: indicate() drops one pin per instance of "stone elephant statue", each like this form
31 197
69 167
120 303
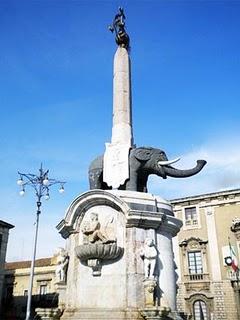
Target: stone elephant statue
143 161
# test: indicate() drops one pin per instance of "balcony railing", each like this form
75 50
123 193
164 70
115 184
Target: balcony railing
233 276
197 281
196 277
191 222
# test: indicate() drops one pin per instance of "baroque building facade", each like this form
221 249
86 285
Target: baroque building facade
16 284
4 232
208 285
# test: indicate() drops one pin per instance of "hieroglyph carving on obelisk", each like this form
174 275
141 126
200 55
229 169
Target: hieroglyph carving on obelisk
116 156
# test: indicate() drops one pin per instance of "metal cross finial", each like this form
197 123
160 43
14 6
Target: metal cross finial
121 36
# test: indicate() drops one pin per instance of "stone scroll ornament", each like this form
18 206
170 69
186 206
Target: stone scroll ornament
99 244
235 227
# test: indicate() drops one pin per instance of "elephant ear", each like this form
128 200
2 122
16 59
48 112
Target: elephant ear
143 154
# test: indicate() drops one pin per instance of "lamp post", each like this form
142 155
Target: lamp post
41 184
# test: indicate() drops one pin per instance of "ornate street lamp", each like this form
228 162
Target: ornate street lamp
41 184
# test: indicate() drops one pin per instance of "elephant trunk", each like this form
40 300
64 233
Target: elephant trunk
177 173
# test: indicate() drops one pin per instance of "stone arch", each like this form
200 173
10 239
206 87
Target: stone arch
200 309
196 297
83 203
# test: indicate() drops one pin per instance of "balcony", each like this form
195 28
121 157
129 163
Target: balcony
197 281
234 277
191 222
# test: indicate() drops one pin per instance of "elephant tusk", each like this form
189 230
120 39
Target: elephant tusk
165 163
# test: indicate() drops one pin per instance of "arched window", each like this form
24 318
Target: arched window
200 310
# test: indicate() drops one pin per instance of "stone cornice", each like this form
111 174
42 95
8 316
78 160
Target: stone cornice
158 221
6 225
206 200
154 217
185 242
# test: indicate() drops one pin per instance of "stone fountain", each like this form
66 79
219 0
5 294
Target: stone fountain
119 237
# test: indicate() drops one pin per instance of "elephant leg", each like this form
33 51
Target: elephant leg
142 182
137 182
131 183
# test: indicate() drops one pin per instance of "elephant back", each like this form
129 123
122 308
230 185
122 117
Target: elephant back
97 163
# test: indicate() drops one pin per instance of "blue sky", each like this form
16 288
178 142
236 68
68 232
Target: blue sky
56 98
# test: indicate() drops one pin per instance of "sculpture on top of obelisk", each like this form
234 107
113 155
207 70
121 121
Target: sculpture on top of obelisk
118 26
123 165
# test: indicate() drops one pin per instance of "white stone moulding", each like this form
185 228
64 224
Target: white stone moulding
160 216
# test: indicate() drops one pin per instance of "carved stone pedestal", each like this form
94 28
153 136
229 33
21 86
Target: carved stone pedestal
149 288
156 313
60 288
105 232
152 311
159 313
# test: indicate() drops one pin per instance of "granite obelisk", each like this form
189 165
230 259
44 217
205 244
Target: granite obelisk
116 162
122 104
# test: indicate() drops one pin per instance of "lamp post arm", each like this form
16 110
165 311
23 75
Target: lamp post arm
53 181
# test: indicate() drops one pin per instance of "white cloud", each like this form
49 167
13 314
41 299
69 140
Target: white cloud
221 172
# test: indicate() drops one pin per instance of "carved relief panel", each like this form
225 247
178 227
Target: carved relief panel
100 237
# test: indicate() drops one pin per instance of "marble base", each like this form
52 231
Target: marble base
101 314
157 313
60 288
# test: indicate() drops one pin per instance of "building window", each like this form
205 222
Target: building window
200 310
194 259
0 242
43 289
195 262
191 218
